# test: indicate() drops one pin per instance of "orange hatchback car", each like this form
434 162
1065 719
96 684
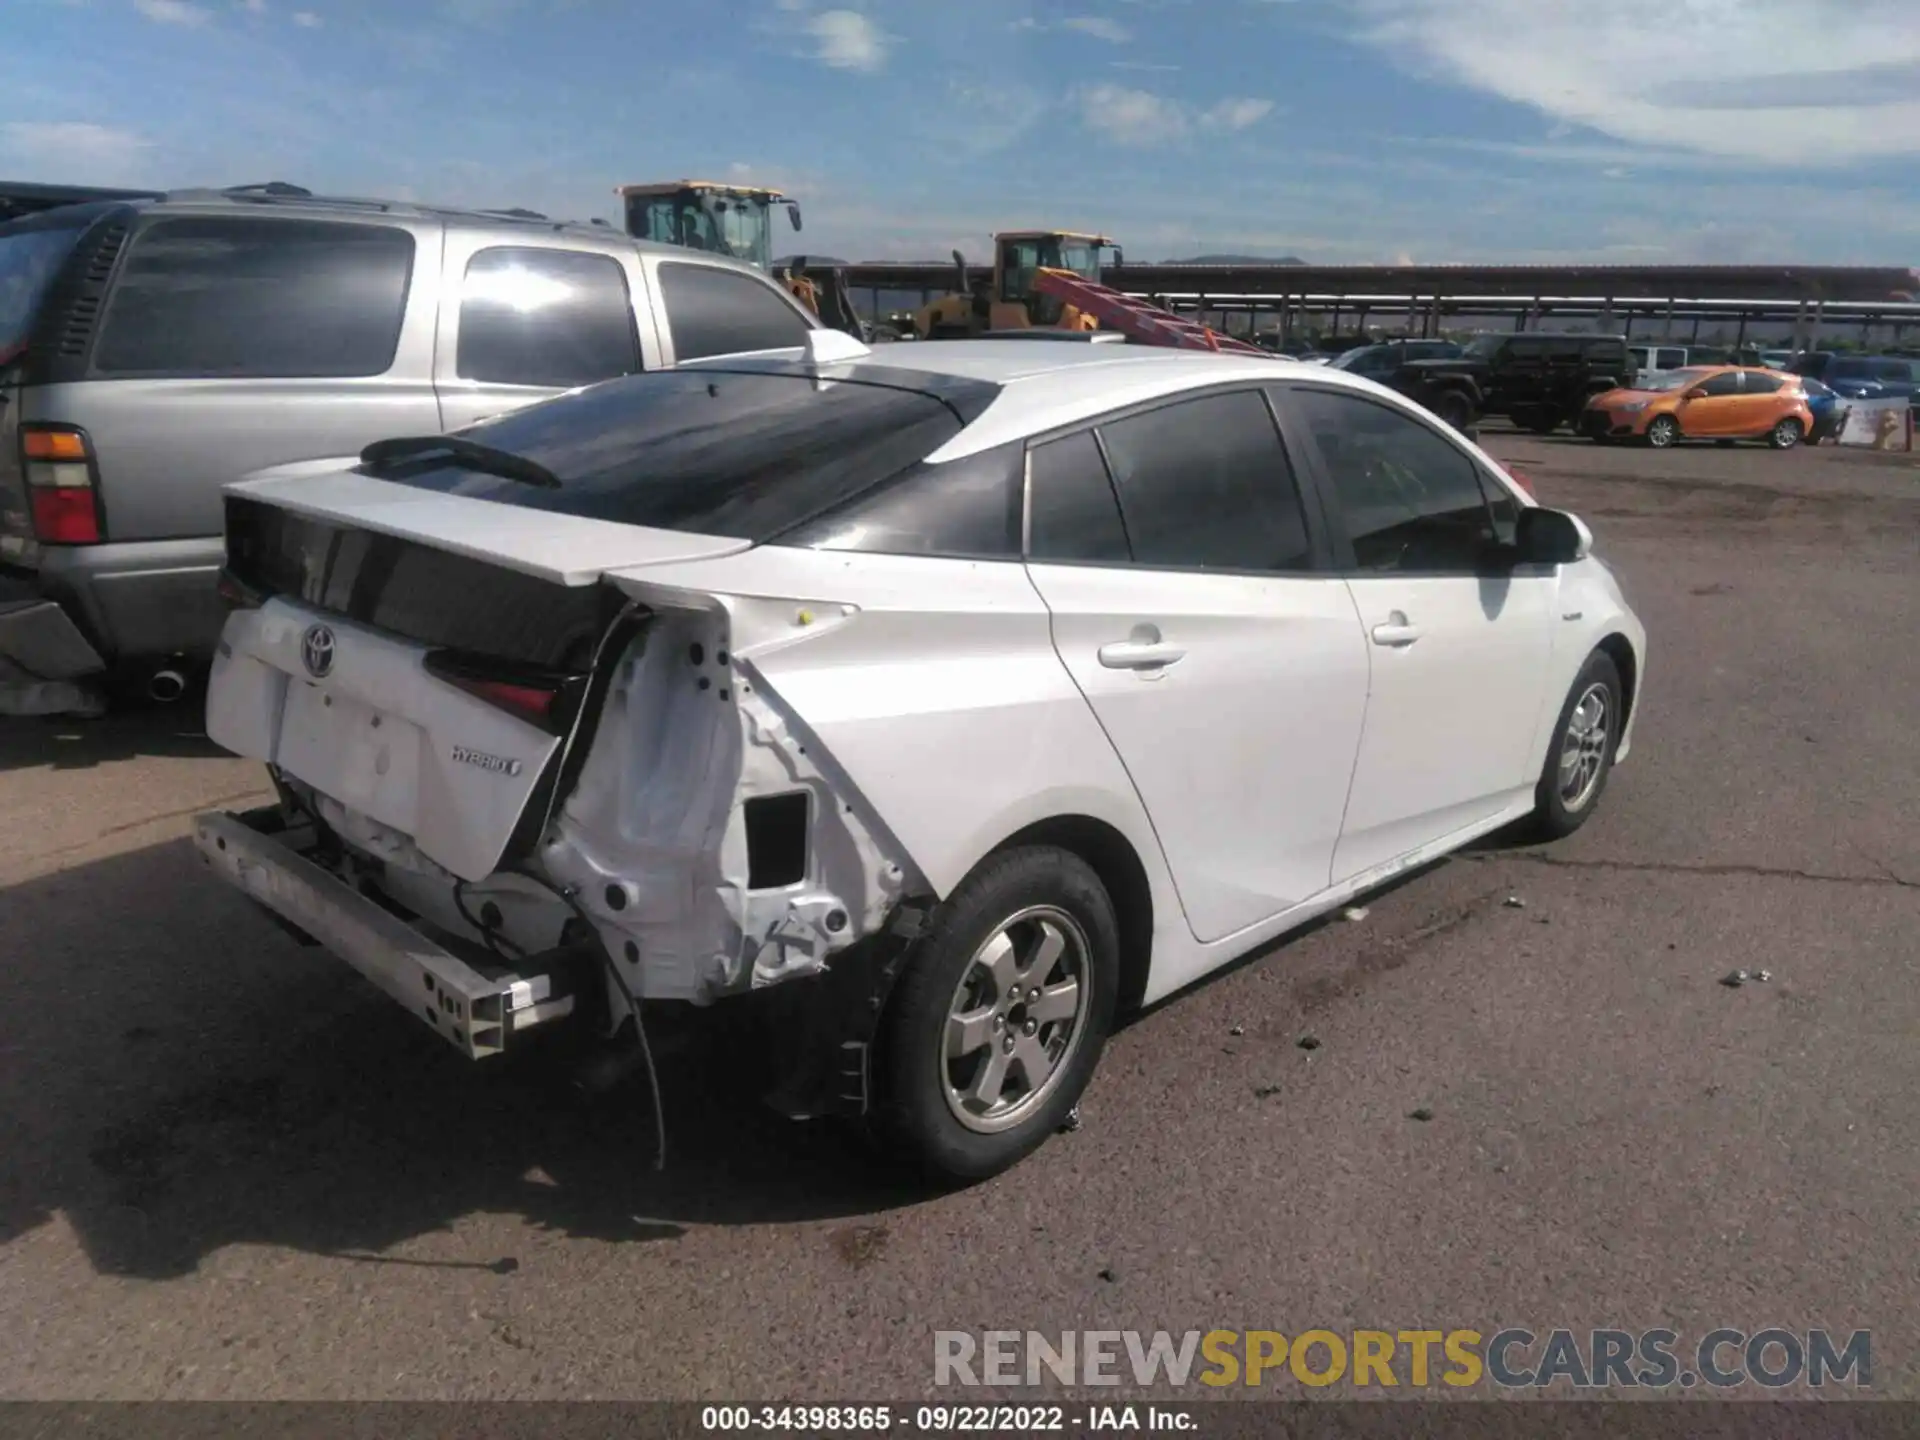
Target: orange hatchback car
1704 402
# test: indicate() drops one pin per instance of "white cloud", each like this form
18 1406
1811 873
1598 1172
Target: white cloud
1099 27
1142 118
72 151
847 40
1132 117
306 19
1236 114
1776 80
254 7
172 12
1152 65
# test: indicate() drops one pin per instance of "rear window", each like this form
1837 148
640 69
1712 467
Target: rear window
29 259
706 451
252 298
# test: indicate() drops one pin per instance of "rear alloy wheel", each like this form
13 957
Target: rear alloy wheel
1580 756
1785 435
1663 432
999 1020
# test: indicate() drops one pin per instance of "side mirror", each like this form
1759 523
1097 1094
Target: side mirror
1550 537
1119 258
793 214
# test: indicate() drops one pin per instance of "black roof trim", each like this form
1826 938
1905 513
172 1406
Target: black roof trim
964 395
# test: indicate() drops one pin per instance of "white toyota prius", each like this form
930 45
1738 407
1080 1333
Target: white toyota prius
936 705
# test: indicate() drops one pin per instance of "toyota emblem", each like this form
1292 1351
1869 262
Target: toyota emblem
316 651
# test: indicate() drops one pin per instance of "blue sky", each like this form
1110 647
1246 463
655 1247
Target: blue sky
1636 131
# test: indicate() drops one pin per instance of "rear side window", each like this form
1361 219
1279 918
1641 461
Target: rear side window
553 318
256 298
1204 484
1758 382
715 452
29 259
960 509
1073 515
1412 501
711 311
1899 372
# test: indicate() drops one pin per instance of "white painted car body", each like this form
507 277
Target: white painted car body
1315 736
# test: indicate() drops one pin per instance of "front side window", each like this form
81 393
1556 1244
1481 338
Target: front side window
550 318
711 311
1204 484
257 298
1411 501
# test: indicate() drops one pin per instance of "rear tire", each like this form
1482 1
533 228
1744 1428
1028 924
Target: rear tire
998 1022
1454 408
1786 434
1580 755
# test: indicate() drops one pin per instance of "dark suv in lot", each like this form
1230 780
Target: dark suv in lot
1537 380
154 349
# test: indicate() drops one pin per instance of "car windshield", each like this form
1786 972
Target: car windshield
1672 380
1486 346
1363 358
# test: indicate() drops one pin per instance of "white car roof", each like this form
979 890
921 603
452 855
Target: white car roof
1048 384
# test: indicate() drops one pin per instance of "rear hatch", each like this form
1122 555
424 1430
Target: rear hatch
416 637
31 255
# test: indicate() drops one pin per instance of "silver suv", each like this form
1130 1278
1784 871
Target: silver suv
153 350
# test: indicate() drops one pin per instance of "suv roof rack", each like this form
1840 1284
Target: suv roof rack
271 187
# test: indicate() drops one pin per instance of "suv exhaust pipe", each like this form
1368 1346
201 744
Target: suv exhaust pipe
166 686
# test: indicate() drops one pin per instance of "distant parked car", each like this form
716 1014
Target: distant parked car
1859 377
152 350
1539 380
1649 358
1829 413
1724 403
1377 362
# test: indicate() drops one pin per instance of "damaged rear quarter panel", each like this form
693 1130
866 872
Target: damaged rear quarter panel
919 702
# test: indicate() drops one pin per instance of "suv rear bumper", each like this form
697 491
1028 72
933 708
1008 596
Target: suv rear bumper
146 599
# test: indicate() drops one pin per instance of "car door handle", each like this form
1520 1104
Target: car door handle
1396 632
1140 655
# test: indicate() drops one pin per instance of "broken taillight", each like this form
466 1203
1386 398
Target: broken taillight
545 698
58 464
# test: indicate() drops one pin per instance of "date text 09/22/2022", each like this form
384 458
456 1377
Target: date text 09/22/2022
945 1419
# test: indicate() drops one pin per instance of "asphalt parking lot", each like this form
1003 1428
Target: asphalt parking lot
229 1170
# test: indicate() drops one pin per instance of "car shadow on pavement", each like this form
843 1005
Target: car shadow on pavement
62 742
180 1077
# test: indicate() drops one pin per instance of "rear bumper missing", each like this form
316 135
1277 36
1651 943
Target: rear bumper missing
476 1010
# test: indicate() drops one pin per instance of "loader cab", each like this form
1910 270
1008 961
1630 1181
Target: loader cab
731 220
1019 253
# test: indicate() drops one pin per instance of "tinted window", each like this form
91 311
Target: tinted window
1758 382
1072 511
1411 500
1848 370
556 318
29 260
710 451
966 508
1725 383
723 312
258 298
1205 485
1897 371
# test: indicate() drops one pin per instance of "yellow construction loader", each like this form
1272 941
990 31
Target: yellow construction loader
737 221
1009 301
